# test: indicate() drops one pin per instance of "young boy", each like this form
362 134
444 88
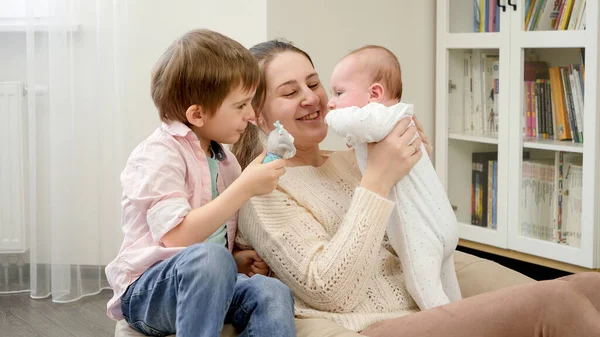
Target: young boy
366 87
177 270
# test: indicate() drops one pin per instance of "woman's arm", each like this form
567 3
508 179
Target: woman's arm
327 272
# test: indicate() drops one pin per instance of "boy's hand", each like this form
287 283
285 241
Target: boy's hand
249 262
261 178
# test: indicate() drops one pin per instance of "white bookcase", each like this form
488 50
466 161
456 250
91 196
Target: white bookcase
456 142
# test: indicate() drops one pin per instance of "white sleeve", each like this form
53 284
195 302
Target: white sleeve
369 124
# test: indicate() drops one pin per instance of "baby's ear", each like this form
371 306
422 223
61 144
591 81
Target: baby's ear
376 93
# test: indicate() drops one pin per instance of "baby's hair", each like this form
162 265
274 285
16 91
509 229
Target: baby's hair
383 66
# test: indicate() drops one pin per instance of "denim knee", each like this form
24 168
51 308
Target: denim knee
209 262
272 291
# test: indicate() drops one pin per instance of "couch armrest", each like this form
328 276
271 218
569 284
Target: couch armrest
477 276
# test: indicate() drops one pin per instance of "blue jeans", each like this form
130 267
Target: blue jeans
198 290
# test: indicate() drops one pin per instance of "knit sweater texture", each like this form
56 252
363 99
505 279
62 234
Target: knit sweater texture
324 236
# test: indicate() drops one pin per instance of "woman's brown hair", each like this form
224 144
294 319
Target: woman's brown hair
249 145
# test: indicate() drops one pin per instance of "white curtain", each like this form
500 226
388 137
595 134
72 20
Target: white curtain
63 143
74 102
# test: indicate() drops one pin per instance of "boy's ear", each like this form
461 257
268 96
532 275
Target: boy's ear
195 115
376 92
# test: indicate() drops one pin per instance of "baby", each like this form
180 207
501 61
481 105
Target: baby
366 88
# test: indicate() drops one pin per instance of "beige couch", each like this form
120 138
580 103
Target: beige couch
475 276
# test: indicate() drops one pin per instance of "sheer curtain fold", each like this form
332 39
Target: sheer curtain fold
74 73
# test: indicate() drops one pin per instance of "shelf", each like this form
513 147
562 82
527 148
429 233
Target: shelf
552 39
552 145
473 40
524 257
456 79
474 137
533 39
488 236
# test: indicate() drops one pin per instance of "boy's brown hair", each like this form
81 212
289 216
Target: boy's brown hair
383 66
200 68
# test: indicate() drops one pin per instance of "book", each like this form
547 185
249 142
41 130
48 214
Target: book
547 16
481 180
568 8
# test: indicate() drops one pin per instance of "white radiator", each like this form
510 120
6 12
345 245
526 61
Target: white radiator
13 135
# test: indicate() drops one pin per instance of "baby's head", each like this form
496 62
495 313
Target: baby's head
368 74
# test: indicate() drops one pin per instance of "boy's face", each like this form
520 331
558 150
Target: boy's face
230 120
349 85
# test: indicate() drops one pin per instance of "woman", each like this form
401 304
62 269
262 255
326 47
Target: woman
323 231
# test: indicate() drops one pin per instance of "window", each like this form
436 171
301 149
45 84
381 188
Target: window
18 9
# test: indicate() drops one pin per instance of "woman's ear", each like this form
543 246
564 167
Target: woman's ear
195 115
261 123
376 93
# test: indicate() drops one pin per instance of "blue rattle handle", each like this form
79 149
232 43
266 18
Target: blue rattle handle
270 157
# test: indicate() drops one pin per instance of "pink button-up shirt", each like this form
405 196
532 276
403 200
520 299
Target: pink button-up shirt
165 177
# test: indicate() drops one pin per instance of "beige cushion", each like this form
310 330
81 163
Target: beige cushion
304 327
475 275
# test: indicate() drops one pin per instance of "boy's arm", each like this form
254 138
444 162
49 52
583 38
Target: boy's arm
201 222
198 224
154 185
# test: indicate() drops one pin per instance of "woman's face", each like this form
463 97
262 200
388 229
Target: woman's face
295 97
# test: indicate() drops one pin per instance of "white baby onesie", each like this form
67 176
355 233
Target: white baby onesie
423 228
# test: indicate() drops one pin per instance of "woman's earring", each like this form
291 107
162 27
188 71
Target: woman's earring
261 121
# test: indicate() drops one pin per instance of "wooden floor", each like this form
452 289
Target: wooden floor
20 316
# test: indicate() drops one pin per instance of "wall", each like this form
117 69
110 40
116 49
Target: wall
327 30
151 34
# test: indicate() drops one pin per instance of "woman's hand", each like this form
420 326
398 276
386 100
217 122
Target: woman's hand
424 138
392 158
249 263
259 267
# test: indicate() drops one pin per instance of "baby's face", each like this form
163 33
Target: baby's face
349 85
